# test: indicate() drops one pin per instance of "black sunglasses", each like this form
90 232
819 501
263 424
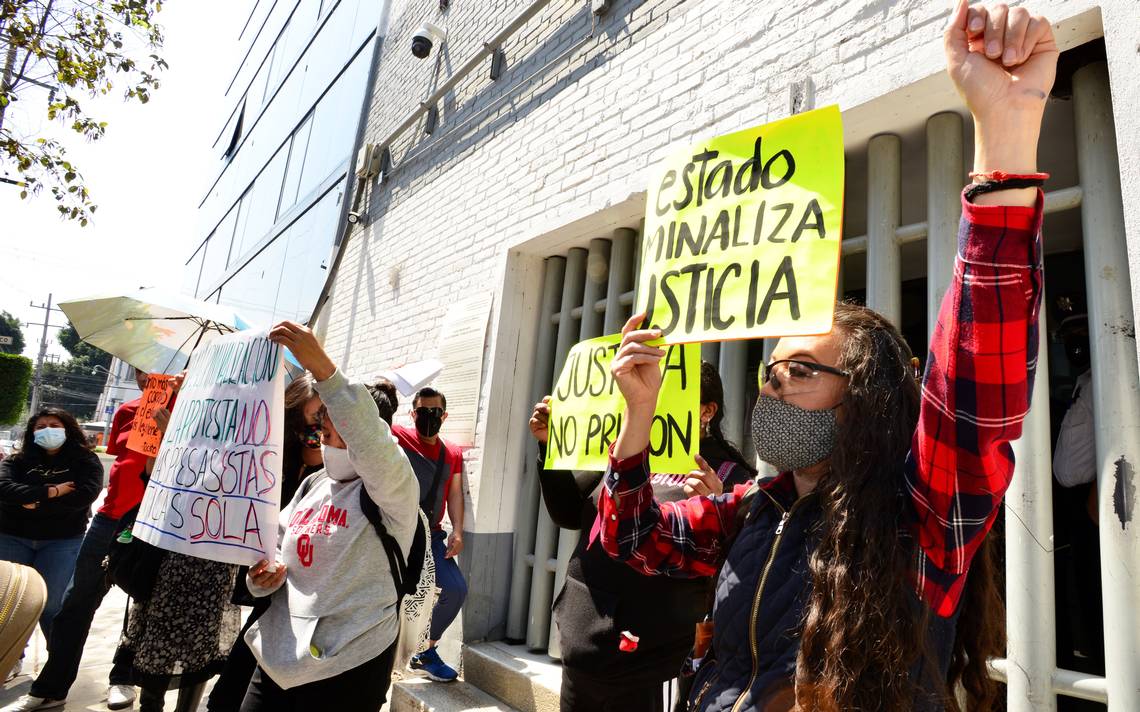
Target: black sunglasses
424 410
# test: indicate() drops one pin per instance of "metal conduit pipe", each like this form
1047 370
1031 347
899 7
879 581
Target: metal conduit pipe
944 178
625 299
597 282
1116 390
466 68
1066 682
1055 202
621 279
545 537
1030 614
884 168
710 351
554 271
733 365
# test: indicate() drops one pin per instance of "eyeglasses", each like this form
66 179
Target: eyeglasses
792 377
424 410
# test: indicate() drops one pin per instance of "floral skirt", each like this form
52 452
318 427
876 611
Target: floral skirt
188 626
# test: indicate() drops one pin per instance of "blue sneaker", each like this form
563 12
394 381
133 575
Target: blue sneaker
432 666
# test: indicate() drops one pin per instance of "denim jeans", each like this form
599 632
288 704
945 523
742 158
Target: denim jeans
73 622
54 559
452 587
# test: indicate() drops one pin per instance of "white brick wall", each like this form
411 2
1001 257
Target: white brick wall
511 162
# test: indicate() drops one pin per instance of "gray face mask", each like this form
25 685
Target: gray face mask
791 438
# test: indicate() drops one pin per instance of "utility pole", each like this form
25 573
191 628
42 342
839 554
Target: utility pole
38 379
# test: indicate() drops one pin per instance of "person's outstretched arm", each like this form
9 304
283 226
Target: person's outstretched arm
682 539
983 352
372 448
564 492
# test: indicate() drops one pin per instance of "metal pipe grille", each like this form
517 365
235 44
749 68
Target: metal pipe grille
1116 387
591 293
529 504
884 184
546 534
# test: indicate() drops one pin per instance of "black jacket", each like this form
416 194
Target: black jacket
758 618
24 479
602 597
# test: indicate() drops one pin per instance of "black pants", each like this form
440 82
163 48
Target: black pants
153 698
364 688
73 622
584 693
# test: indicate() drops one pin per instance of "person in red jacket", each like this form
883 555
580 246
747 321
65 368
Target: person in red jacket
89 584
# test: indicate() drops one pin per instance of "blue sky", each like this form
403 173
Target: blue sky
147 175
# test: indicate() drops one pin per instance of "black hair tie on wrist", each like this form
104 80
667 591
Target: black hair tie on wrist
991 186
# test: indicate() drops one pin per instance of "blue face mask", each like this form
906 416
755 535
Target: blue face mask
51 438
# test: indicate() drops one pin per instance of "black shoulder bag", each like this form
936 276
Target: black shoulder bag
132 564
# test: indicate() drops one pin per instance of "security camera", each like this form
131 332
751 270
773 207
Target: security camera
354 218
422 40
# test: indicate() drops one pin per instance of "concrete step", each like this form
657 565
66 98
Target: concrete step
419 694
528 682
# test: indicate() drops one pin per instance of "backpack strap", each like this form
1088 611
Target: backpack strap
430 498
308 483
396 558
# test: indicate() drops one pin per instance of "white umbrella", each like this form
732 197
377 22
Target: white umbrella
151 329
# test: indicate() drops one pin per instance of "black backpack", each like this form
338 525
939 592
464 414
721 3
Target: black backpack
405 572
131 563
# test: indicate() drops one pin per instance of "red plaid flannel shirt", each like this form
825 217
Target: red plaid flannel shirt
975 394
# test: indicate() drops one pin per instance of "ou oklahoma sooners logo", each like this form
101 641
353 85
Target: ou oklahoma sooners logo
305 550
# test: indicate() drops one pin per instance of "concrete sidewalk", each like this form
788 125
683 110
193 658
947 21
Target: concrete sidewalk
90 690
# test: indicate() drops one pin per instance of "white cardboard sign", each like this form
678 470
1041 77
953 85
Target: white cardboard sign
216 486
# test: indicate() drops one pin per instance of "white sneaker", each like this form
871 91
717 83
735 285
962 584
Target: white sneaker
120 697
27 703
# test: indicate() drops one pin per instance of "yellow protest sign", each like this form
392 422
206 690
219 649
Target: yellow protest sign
742 233
586 409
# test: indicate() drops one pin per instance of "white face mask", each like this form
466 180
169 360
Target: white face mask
50 438
337 464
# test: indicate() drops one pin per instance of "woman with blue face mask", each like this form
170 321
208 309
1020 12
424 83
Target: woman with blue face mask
46 492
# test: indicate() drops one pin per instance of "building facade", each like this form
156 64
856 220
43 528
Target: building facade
531 186
269 219
119 388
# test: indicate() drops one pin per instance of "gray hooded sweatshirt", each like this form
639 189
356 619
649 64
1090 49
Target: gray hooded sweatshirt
337 606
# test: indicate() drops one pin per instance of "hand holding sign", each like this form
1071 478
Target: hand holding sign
540 420
161 419
265 575
637 366
302 342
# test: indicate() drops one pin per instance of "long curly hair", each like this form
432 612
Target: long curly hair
861 632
